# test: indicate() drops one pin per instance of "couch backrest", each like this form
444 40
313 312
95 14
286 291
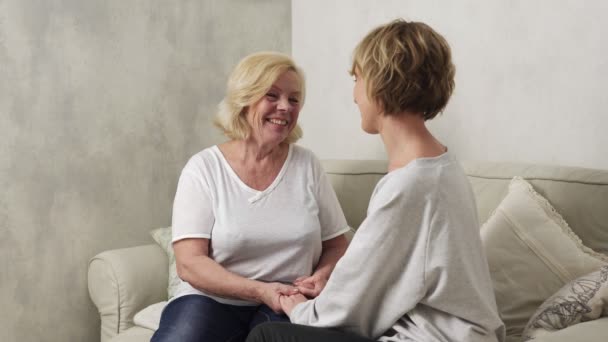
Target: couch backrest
354 181
579 195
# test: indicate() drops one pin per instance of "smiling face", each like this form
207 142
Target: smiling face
275 115
370 111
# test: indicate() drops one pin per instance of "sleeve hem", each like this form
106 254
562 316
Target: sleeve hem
294 315
191 236
338 233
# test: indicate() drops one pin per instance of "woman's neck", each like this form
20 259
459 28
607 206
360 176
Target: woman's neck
257 166
249 151
407 138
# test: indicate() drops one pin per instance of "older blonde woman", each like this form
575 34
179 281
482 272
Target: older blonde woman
254 218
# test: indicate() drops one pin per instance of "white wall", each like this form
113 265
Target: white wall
530 84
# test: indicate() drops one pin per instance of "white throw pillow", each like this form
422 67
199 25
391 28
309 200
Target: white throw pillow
581 300
532 253
150 316
163 237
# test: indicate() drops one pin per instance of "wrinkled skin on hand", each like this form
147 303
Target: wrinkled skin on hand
289 302
273 291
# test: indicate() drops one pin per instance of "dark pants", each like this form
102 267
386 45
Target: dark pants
285 332
195 318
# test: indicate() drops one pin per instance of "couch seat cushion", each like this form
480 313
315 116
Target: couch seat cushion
134 334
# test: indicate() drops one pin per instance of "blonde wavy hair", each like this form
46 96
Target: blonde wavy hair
407 66
250 80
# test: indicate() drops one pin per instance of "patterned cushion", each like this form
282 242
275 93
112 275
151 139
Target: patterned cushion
583 299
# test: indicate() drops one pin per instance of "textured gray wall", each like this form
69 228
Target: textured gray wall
101 104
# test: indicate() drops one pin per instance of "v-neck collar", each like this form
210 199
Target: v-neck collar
257 194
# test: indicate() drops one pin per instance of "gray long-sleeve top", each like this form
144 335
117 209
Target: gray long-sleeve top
416 264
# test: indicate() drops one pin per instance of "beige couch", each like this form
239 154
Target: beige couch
122 282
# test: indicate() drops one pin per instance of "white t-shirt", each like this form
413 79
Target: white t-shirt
272 235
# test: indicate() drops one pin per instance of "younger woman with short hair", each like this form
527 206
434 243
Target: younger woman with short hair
415 270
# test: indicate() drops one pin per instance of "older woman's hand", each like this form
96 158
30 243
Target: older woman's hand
310 286
289 302
271 292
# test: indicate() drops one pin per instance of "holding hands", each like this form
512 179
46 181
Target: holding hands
311 286
289 302
308 287
282 298
272 292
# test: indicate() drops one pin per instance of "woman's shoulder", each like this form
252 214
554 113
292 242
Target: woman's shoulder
203 159
422 177
302 157
302 152
423 171
418 178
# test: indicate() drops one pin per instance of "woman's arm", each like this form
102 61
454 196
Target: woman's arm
381 275
196 267
333 249
333 226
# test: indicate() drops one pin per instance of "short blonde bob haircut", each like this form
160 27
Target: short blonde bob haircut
407 66
250 80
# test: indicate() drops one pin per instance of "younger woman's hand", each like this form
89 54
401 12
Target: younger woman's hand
311 286
271 292
289 302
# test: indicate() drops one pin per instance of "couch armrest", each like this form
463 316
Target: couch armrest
592 331
124 281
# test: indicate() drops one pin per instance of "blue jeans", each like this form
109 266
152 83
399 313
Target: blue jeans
195 318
